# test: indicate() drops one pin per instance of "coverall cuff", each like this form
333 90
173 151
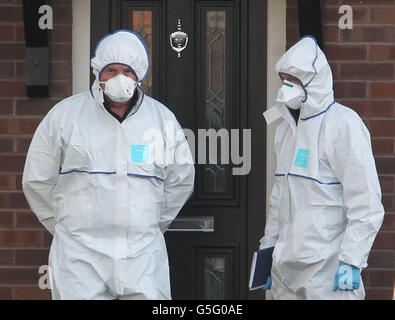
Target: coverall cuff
352 261
267 242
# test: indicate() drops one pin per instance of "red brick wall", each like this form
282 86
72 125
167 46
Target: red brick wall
24 243
363 62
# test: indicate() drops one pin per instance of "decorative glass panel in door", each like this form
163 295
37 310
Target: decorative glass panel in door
142 25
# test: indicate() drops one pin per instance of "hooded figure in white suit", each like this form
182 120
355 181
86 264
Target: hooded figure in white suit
100 187
325 207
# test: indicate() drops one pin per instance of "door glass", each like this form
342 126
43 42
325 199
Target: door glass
215 102
214 275
142 25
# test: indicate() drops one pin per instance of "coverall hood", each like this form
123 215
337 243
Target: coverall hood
121 47
306 61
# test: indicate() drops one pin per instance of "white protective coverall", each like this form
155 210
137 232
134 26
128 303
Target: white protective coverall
91 181
325 205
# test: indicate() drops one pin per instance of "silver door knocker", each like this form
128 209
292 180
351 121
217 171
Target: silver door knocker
178 39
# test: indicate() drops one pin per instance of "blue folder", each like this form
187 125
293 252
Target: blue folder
260 268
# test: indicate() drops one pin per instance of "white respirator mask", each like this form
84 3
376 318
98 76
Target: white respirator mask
120 88
291 94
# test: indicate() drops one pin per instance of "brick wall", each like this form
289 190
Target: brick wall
363 62
24 243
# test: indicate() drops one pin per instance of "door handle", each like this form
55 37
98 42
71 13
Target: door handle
192 224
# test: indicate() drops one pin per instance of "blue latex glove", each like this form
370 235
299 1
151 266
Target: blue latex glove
347 277
268 283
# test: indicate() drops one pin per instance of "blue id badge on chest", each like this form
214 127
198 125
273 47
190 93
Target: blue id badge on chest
302 158
140 153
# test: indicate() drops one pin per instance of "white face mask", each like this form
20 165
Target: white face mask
291 94
120 88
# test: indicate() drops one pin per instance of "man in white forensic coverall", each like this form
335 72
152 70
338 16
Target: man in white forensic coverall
325 207
97 185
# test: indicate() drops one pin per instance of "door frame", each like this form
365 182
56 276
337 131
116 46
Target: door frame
105 19
257 97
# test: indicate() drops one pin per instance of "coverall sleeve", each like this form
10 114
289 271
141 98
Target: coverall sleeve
349 153
272 216
40 175
272 224
179 181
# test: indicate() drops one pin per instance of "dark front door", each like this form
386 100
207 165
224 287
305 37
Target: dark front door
218 82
